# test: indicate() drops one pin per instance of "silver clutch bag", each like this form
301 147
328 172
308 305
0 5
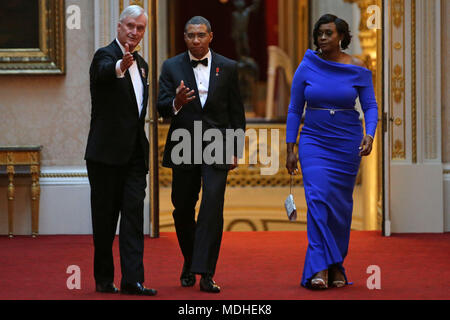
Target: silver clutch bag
289 205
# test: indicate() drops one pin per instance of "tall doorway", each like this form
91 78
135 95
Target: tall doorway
278 33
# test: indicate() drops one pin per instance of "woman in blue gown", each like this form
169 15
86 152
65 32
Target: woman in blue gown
331 145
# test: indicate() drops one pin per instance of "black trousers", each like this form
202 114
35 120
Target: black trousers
114 190
199 240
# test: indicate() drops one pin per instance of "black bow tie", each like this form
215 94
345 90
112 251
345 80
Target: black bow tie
196 62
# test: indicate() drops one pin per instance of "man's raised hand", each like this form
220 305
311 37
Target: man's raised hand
183 96
127 59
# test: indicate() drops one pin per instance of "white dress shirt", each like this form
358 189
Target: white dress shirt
201 73
135 79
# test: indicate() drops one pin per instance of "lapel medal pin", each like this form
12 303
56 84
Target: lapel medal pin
143 73
217 71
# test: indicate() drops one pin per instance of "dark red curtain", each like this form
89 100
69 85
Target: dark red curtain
272 22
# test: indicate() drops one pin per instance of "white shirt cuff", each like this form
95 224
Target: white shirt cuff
175 111
119 73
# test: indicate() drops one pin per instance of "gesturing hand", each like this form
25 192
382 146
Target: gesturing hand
127 59
366 146
183 96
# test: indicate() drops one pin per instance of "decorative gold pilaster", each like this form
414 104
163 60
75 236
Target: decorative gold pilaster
397 62
371 168
398 84
367 37
399 150
398 10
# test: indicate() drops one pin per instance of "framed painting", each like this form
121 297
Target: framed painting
32 37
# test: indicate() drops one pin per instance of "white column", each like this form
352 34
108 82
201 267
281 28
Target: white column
445 100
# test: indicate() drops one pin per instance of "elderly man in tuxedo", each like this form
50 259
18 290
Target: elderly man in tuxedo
199 89
117 155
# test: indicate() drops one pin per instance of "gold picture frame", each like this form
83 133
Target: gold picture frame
48 55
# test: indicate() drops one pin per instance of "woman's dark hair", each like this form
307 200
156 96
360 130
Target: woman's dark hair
341 27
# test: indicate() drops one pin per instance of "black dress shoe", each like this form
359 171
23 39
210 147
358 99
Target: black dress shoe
187 278
107 287
207 284
137 289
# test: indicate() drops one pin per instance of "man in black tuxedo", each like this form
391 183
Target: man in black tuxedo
214 102
117 155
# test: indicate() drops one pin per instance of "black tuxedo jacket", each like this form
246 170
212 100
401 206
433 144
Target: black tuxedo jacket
115 121
223 108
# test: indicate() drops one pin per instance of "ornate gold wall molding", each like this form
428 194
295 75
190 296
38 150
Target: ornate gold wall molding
398 84
64 175
367 37
397 103
398 11
398 149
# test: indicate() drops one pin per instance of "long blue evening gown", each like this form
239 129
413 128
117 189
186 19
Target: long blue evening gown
329 151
